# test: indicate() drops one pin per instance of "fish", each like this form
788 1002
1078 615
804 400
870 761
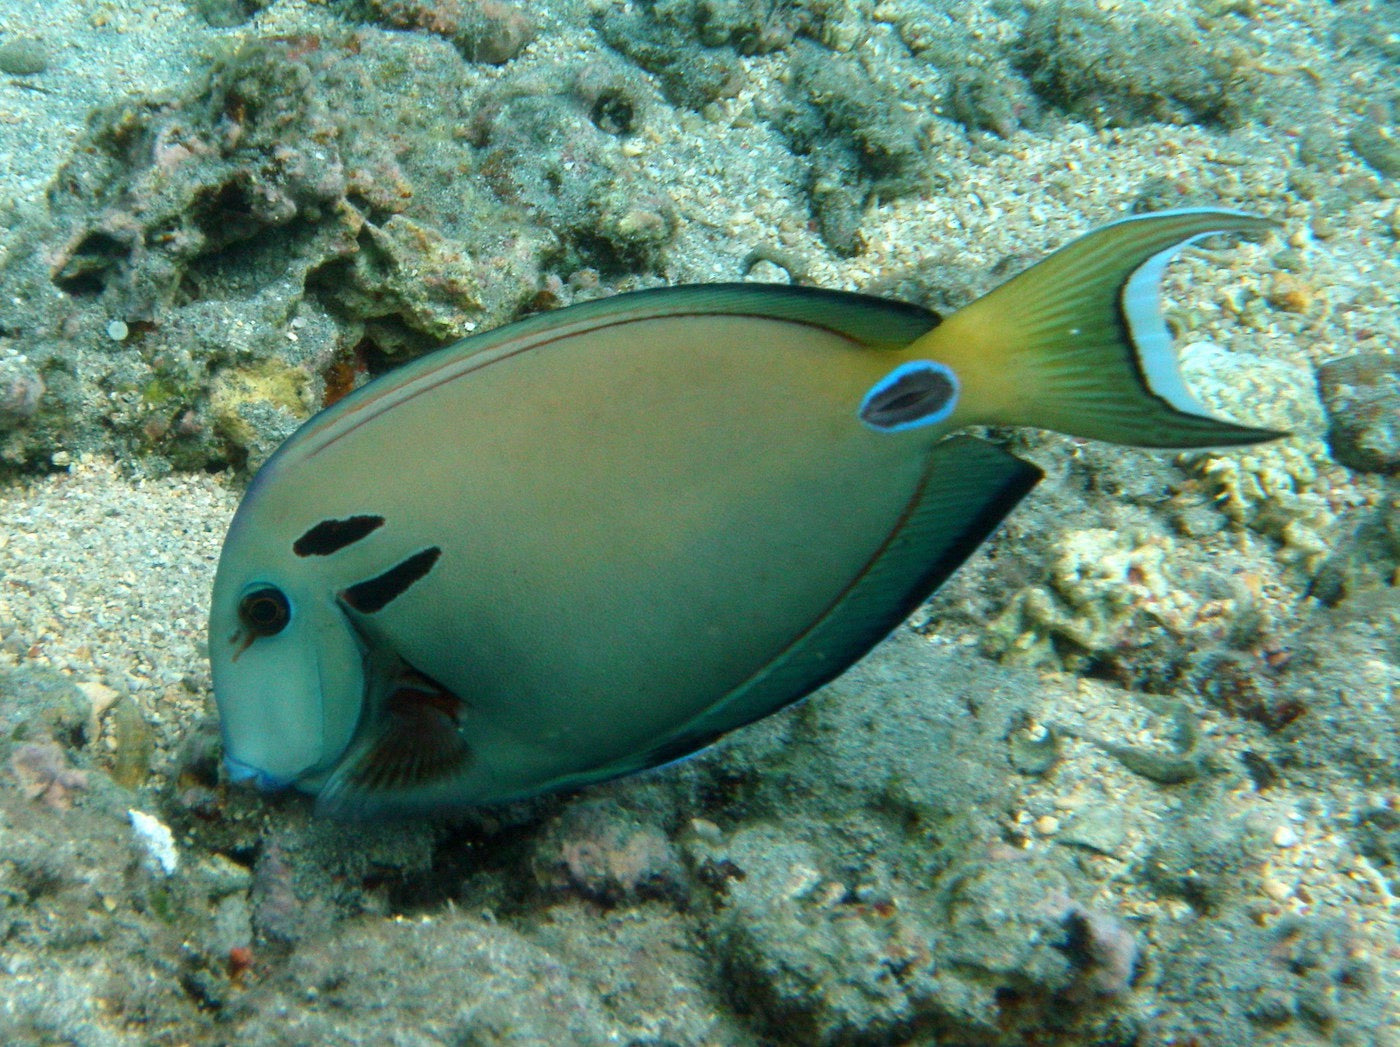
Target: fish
596 540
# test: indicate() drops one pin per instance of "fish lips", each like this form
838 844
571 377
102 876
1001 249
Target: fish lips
240 773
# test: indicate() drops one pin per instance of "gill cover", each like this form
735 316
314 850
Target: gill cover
281 697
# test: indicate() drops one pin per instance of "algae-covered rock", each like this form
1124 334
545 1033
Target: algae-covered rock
483 30
691 74
1203 861
225 14
1003 923
1362 397
1379 146
1294 980
1341 690
1377 831
258 407
603 852
39 705
309 877
1026 955
133 745
406 283
970 43
1124 64
21 390
804 954
1106 590
859 145
450 978
24 56
554 152
1280 488
295 205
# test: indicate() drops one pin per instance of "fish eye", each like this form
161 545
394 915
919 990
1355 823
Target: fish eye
265 611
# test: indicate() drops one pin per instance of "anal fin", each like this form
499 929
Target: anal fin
968 487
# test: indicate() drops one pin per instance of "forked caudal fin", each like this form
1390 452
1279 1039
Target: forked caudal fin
1077 343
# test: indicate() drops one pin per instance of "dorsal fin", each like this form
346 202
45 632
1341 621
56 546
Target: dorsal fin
879 323
875 323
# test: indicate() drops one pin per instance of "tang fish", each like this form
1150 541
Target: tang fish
595 540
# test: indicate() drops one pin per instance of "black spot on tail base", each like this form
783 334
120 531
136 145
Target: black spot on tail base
374 594
330 536
916 393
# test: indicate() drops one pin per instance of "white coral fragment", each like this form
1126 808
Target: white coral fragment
156 837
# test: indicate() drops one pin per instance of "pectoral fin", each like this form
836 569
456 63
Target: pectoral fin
414 745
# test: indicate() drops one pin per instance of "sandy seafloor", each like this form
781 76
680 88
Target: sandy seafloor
904 858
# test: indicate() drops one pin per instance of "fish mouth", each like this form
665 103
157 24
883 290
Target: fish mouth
240 773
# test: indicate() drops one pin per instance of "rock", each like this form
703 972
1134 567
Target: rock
1362 396
806 956
1379 146
1132 64
24 56
1098 828
421 983
1299 979
600 850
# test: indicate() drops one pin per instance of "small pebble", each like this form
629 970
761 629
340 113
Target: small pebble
706 830
1379 147
1286 836
1047 825
117 330
24 56
1098 828
1276 889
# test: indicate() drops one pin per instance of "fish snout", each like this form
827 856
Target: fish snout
240 773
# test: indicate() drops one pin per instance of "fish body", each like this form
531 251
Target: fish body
595 540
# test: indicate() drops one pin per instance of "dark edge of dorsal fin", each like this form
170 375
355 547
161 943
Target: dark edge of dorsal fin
878 323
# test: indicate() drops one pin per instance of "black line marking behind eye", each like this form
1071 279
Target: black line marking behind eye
374 594
330 536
